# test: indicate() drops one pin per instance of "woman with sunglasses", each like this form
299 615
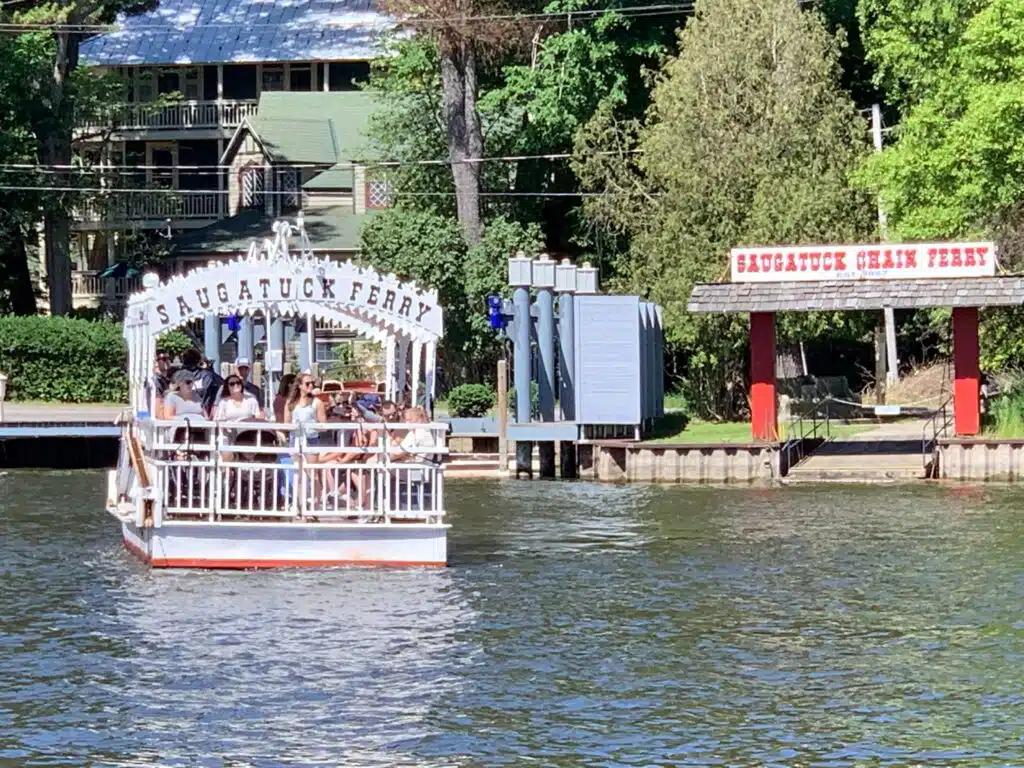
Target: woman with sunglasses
303 408
235 403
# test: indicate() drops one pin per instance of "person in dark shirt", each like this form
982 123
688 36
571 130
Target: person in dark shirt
205 383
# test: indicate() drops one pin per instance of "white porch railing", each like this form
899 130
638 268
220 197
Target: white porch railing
206 470
134 206
183 115
89 285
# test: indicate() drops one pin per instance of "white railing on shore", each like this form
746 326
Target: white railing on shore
124 206
89 284
200 471
182 115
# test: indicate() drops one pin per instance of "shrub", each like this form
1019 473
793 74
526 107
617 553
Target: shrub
175 343
63 359
470 400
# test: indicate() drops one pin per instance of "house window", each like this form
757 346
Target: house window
378 193
273 77
288 183
252 186
191 86
145 82
300 77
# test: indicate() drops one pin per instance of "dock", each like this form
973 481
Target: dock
59 435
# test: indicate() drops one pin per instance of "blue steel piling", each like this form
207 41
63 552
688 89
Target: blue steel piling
211 341
245 339
519 277
546 342
565 283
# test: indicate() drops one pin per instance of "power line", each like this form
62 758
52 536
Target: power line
275 192
343 23
126 169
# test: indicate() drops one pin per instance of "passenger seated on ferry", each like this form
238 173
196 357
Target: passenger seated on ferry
305 409
205 383
416 440
179 402
281 398
346 439
235 403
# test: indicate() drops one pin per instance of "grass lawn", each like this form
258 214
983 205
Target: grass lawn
674 429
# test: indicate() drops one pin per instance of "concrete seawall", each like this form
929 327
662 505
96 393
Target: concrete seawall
977 460
751 463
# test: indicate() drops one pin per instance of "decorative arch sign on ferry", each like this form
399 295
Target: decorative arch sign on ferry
863 262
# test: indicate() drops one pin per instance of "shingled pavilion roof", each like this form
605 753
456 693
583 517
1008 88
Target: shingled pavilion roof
997 291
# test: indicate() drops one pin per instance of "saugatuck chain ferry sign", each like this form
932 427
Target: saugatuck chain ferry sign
291 286
863 262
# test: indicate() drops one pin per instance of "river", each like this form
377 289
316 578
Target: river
578 625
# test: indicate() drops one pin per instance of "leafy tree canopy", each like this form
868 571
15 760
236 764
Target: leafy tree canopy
749 141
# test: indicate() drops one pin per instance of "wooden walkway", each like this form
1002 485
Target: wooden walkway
891 452
28 420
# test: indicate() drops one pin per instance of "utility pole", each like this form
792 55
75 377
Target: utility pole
892 375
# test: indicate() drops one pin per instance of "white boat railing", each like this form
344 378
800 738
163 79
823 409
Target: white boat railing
224 471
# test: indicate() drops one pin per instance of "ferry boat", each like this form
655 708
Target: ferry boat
196 493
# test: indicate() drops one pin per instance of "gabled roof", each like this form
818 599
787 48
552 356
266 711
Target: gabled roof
333 228
340 176
312 127
216 31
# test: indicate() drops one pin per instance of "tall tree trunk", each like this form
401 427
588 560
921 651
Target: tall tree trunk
16 275
56 150
465 135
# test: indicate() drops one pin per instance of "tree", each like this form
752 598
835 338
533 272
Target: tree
54 92
749 141
957 167
462 38
428 249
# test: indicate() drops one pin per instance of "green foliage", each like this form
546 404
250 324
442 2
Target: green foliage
63 359
1005 418
957 169
749 141
534 400
175 343
470 400
428 248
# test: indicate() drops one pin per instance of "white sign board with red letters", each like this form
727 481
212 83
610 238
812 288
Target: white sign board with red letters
863 262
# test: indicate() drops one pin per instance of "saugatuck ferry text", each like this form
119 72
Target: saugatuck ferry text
862 262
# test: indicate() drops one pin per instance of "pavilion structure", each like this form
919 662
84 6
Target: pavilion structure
765 281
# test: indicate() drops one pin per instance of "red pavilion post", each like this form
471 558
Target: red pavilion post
763 401
966 372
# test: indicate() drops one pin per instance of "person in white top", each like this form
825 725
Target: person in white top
235 403
178 401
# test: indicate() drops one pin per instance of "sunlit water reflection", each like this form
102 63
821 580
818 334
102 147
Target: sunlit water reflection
579 625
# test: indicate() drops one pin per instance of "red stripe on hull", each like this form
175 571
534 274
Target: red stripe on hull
181 562
137 551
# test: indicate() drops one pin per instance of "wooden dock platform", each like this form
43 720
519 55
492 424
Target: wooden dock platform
27 420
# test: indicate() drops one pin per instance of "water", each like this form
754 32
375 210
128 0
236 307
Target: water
579 625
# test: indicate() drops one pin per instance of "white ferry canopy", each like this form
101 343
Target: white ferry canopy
278 283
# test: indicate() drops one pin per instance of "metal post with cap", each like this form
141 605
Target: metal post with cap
565 286
520 276
544 283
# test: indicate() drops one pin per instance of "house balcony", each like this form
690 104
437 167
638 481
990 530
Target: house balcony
88 289
225 115
151 210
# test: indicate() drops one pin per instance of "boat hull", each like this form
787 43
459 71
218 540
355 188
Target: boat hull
244 545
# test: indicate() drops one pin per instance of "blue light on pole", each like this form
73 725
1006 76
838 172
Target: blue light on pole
234 323
495 315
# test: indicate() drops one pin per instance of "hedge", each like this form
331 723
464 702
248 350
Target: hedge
63 359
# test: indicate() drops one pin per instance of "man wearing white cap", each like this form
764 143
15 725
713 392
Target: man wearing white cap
243 368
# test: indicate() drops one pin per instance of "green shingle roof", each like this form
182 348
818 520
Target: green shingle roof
339 176
334 228
313 127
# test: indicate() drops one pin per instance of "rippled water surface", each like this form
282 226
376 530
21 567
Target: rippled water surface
578 625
